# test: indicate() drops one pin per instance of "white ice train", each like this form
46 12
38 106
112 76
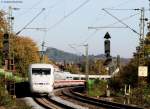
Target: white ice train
68 76
41 78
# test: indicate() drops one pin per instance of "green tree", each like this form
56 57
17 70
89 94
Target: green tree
147 54
129 73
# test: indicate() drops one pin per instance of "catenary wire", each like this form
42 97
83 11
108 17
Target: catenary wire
126 18
68 15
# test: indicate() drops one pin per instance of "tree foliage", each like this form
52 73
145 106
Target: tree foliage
97 67
129 74
24 49
25 53
147 53
3 23
3 26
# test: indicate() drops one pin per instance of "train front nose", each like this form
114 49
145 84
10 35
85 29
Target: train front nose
42 88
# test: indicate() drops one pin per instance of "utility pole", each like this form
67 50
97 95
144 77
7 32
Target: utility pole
11 64
42 55
8 49
11 53
87 62
142 68
142 37
86 67
43 43
8 52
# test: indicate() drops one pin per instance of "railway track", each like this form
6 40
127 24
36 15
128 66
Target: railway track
70 98
96 102
53 103
44 102
62 95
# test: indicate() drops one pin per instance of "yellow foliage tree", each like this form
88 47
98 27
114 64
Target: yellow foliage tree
25 53
24 49
3 26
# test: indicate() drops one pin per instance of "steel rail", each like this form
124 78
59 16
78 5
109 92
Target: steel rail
97 102
45 103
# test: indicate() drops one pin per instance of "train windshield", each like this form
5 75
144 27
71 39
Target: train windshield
41 71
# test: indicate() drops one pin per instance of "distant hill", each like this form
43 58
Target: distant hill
59 56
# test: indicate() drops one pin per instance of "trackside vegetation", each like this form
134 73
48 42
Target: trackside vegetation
25 52
6 100
96 88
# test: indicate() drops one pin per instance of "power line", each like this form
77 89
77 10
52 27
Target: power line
96 30
120 9
121 22
30 21
32 7
69 14
126 18
124 9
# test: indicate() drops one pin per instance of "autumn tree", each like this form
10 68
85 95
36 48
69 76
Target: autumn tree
73 68
25 53
24 49
3 26
97 67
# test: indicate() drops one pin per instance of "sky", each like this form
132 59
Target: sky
66 23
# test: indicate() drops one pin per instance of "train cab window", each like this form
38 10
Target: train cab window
92 78
41 71
82 78
76 78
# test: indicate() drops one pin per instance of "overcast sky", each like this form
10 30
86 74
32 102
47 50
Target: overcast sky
67 23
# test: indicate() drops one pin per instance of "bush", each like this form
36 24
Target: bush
147 95
115 84
7 102
98 88
5 99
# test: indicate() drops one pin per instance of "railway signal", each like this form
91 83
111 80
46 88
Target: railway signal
108 60
107 45
6 46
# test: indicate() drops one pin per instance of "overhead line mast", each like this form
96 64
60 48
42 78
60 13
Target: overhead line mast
141 34
142 37
8 48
